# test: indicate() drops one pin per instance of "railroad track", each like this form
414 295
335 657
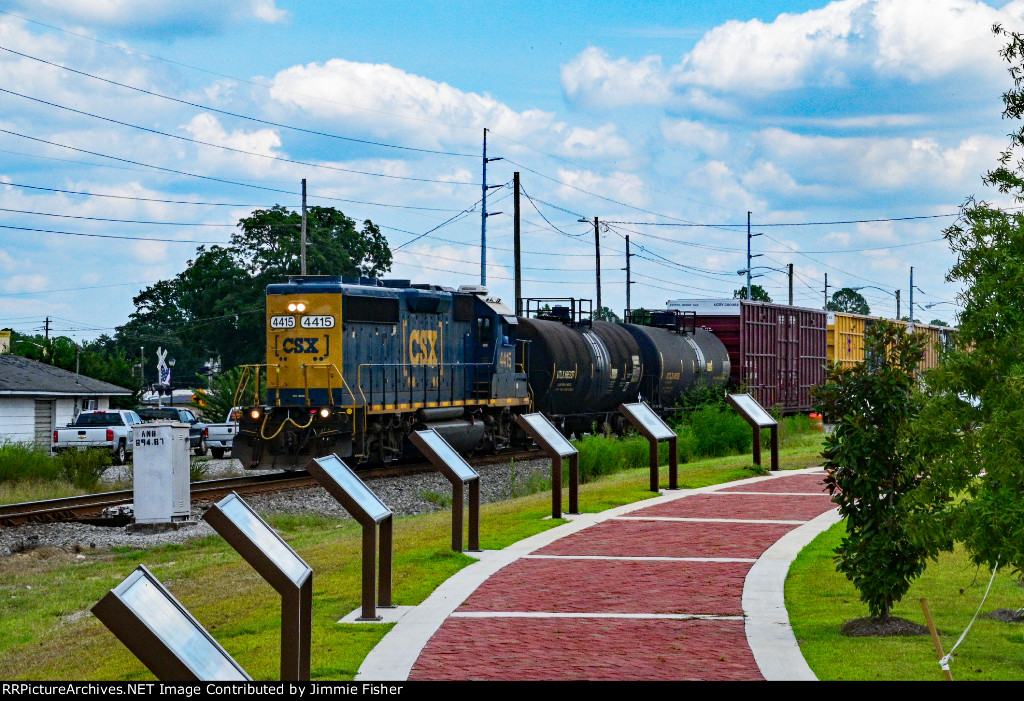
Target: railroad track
89 507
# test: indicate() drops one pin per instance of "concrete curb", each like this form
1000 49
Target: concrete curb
394 656
769 634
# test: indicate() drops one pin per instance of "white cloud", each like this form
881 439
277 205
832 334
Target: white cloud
602 142
158 16
26 283
206 127
690 134
593 78
624 187
387 100
915 40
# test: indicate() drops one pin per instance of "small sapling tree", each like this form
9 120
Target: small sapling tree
871 472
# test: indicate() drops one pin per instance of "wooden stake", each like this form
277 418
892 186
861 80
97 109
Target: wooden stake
935 636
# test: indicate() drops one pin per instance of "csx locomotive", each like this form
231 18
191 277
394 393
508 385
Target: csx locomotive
354 365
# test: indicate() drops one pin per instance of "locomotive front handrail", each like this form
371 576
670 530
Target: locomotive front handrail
409 368
330 387
247 372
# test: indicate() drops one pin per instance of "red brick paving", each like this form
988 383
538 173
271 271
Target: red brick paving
545 649
746 506
797 483
619 538
506 648
613 586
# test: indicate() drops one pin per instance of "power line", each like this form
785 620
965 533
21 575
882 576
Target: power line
233 149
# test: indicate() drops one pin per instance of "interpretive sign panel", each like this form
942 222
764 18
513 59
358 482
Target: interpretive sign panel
752 411
645 416
162 634
434 442
343 476
265 538
547 436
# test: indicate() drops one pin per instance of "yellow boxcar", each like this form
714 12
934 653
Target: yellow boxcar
846 338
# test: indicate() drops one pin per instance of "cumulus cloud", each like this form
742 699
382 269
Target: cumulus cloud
690 134
624 187
387 100
603 142
158 16
206 127
913 40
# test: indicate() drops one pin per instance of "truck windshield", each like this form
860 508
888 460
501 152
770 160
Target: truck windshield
99 420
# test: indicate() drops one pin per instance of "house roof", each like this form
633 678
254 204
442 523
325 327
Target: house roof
20 375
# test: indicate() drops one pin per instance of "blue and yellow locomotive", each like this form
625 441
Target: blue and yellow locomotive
354 365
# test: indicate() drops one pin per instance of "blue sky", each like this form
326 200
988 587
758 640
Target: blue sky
658 118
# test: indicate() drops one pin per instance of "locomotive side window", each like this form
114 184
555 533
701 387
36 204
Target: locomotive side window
506 334
485 330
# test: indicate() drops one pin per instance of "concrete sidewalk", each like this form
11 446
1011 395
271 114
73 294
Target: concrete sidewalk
687 585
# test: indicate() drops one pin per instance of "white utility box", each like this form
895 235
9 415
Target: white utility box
162 492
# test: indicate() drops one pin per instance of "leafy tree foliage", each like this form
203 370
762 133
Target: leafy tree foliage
215 307
848 300
871 470
938 322
757 294
95 359
970 430
607 314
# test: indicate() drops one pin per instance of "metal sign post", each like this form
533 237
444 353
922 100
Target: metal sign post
758 418
162 634
655 430
283 569
371 513
459 473
557 447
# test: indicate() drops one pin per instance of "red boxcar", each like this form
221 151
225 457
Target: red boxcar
777 352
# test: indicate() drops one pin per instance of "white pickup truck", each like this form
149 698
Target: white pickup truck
99 429
220 437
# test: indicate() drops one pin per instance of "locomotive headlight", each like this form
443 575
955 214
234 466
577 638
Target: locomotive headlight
254 414
325 412
300 307
292 307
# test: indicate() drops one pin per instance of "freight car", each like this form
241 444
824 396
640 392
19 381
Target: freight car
353 366
846 338
778 353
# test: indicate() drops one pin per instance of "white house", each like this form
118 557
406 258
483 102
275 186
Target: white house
35 398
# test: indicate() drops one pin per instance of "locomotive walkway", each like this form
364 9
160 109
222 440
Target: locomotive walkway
687 585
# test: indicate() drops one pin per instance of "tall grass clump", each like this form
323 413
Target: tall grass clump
20 462
719 431
83 468
600 455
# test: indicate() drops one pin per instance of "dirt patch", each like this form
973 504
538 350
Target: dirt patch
882 628
1006 615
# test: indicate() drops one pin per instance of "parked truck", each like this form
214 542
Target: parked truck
220 437
196 435
99 429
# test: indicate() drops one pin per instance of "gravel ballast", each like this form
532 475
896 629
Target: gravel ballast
405 495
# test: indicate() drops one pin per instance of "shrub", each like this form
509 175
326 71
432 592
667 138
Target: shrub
25 461
83 468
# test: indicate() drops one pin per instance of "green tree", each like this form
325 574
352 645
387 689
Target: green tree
848 300
607 314
215 307
969 432
938 322
870 465
757 294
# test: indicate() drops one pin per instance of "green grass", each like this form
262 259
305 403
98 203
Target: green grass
46 594
820 600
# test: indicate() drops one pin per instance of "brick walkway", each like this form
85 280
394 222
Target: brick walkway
652 594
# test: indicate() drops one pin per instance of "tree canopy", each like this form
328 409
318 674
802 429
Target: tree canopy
848 300
215 307
757 294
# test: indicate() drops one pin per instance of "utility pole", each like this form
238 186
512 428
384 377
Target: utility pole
790 284
749 236
826 292
911 294
46 328
629 281
516 254
303 226
597 254
483 213
897 305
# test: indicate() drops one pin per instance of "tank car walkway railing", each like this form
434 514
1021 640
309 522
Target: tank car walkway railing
397 386
687 585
